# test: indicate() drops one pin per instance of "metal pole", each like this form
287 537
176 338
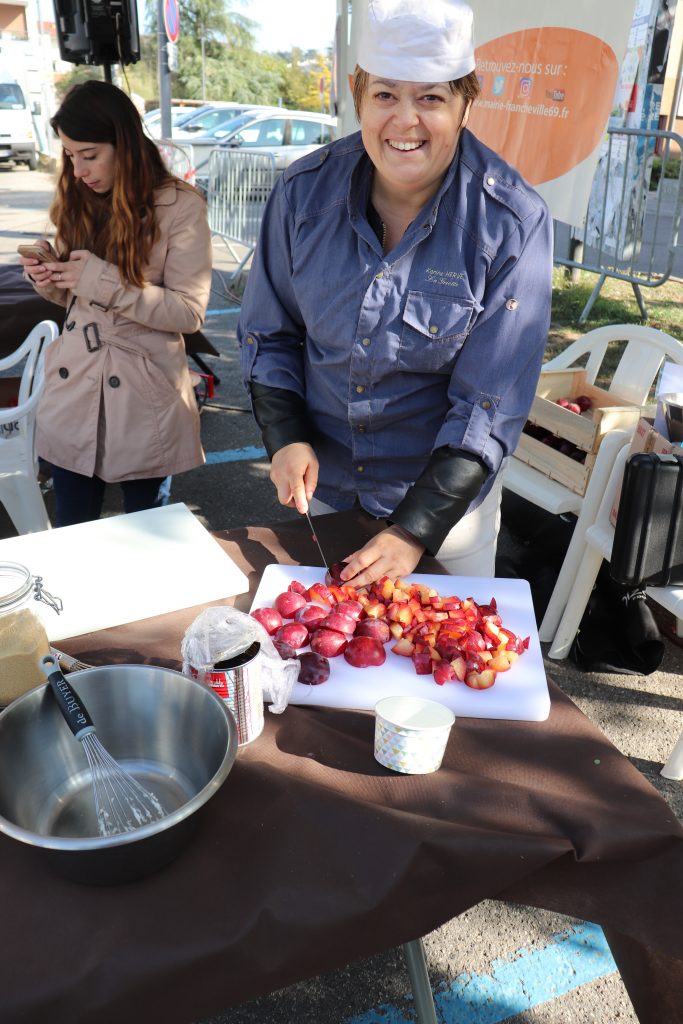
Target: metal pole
164 74
203 67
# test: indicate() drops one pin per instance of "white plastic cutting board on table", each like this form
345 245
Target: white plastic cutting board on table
125 568
520 694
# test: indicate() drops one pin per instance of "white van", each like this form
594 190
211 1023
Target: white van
17 137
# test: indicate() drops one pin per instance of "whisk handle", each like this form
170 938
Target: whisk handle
70 704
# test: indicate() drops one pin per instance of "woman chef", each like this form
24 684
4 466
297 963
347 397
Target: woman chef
396 314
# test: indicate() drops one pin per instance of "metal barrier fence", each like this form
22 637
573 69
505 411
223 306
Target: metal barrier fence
630 233
239 187
179 159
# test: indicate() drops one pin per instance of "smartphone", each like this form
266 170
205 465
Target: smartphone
42 251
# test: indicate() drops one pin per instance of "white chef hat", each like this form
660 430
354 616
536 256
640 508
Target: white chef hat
416 40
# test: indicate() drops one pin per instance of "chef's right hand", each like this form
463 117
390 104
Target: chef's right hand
294 471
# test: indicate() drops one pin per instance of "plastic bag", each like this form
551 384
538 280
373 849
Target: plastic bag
220 633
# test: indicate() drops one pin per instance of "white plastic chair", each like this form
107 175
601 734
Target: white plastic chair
19 489
597 545
640 361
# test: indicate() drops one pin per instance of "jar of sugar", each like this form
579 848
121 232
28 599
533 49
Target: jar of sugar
23 640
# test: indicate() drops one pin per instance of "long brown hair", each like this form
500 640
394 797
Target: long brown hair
120 227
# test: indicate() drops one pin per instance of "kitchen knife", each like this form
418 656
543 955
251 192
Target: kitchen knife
315 538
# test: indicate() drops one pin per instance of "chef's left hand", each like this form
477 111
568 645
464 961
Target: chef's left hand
67 275
393 553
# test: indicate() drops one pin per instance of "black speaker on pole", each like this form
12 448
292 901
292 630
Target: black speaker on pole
98 31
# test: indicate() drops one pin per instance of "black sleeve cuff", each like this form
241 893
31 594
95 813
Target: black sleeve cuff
281 416
440 496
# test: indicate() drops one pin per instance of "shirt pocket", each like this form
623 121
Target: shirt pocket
433 332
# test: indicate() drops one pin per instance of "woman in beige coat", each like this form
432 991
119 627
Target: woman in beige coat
134 271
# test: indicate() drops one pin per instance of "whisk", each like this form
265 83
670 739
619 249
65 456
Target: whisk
121 803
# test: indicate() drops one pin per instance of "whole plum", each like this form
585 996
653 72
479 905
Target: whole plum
315 668
364 651
293 633
378 629
328 642
289 603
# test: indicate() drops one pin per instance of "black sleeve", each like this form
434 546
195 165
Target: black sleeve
281 416
440 496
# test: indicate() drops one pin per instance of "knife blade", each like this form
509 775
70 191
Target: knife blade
315 538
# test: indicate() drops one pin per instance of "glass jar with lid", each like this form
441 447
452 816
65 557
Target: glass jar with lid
23 640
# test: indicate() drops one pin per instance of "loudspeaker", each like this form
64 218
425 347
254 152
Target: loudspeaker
98 31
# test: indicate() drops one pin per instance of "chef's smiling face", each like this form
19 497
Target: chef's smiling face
93 163
410 131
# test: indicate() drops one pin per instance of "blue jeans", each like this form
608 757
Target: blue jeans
78 498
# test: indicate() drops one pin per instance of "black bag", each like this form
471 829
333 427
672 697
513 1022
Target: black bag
648 537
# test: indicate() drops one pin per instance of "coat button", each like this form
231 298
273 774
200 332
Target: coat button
511 304
366 342
490 181
114 382
486 404
63 372
433 329
360 389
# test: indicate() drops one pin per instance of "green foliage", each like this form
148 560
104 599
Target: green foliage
672 169
80 73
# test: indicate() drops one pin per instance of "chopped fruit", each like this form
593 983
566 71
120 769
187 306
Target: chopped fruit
289 603
328 642
451 638
293 633
403 647
480 680
422 662
364 651
321 594
270 619
443 673
315 669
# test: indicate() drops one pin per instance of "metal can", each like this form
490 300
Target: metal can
237 681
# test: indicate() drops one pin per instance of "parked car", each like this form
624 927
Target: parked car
287 134
179 115
212 118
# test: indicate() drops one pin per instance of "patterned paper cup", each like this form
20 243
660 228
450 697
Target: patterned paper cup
411 734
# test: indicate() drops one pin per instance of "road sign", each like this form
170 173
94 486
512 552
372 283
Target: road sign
172 20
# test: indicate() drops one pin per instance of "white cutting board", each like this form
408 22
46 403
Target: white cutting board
520 694
125 568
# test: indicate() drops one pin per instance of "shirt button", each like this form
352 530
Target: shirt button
433 329
486 404
359 389
250 340
366 342
380 274
63 372
490 181
511 304
114 382
360 468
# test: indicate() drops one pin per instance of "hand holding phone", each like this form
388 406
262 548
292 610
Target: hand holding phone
41 251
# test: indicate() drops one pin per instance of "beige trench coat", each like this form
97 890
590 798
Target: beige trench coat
118 401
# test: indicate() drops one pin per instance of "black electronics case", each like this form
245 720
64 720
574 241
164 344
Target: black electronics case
648 537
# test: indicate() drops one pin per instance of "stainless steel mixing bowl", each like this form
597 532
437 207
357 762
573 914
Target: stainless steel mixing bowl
171 733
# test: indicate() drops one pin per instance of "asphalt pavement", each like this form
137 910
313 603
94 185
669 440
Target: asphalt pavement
515 949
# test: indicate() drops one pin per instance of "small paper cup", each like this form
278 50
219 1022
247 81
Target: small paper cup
411 734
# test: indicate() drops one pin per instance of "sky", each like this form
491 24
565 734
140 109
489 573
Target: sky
308 24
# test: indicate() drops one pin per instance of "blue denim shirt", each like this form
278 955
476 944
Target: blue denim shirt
436 343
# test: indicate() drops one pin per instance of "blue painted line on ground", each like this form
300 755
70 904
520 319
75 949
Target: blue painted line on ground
527 979
235 455
219 312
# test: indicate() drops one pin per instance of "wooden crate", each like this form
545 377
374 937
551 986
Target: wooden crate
586 431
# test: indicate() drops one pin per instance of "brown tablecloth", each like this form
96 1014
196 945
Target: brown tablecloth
312 855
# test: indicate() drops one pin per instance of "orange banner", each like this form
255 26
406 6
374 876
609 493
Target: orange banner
546 97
